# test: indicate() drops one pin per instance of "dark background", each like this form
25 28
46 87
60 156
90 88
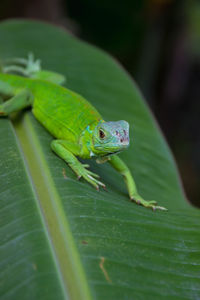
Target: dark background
158 42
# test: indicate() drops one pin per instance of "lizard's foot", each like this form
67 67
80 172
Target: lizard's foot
149 204
90 177
25 67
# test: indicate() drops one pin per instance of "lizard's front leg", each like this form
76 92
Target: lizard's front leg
67 151
121 167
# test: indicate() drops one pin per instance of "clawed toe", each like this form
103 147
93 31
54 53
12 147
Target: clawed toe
86 166
152 202
90 177
149 204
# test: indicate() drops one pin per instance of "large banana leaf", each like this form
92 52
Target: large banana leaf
60 238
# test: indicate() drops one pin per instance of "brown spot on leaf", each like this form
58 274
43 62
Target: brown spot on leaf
84 242
101 265
64 173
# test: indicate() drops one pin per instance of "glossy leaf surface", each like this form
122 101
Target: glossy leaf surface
60 238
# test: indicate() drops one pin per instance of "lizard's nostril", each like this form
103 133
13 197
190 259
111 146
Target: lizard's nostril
121 140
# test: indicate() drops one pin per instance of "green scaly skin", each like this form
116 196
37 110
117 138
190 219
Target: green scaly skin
79 129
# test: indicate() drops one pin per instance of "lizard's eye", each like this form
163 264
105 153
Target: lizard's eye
101 134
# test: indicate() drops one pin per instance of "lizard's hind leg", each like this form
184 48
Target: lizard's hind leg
6 91
22 99
21 66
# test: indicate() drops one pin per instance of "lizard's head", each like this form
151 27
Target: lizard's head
111 137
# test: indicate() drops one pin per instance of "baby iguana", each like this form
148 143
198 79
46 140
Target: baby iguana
77 126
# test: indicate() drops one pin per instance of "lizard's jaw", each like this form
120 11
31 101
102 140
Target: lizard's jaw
111 148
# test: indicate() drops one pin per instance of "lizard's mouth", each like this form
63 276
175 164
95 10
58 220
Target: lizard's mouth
112 153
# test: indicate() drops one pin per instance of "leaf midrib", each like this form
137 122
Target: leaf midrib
61 243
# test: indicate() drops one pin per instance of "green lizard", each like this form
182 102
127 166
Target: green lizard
79 129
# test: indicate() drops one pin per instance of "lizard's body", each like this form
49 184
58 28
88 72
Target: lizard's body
72 114
77 126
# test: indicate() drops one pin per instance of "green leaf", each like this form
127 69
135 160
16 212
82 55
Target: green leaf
60 238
